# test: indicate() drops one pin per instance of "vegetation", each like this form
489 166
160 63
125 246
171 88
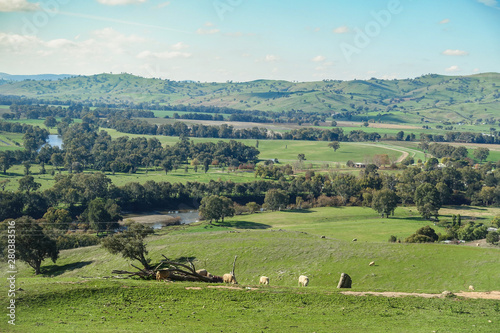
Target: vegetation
30 243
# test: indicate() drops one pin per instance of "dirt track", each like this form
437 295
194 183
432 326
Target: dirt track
482 295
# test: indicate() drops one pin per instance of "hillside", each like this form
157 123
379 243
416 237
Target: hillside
435 98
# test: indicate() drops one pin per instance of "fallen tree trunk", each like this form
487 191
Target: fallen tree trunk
176 271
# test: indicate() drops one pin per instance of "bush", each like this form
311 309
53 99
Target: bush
472 231
393 239
492 237
423 235
73 241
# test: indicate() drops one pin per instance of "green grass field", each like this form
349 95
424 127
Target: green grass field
75 295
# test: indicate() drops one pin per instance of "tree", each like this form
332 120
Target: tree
335 145
167 165
28 184
32 243
130 243
6 160
301 157
50 121
427 199
103 215
57 218
252 207
481 154
276 199
216 207
56 160
385 202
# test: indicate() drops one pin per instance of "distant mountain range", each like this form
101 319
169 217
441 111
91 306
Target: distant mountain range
37 77
429 98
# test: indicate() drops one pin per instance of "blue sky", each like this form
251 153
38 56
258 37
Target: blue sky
243 40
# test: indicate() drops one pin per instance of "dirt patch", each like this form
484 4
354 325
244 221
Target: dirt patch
154 218
193 288
225 287
481 295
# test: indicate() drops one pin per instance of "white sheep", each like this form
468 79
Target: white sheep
471 288
162 275
229 278
264 280
303 281
371 263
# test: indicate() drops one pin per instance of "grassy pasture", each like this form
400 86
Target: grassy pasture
137 306
282 246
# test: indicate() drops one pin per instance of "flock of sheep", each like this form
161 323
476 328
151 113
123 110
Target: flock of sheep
228 278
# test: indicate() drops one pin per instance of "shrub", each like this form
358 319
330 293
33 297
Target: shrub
492 237
73 241
423 235
393 239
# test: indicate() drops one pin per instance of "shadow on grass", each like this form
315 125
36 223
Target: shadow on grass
245 225
303 211
56 270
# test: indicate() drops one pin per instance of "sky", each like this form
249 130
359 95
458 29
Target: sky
244 40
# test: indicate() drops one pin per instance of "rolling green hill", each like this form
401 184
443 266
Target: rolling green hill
434 98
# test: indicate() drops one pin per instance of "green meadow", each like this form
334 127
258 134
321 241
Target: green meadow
79 294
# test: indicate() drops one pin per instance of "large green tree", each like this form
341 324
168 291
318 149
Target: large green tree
428 200
481 153
216 208
276 199
6 160
385 202
130 243
31 244
103 215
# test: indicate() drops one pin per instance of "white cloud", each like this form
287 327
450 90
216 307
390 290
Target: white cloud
445 21
271 58
453 68
476 70
209 24
18 6
341 30
201 31
491 3
317 29
455 53
319 58
180 46
163 55
120 2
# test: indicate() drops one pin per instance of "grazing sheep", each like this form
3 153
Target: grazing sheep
371 263
162 275
229 278
303 281
354 239
471 288
202 272
264 280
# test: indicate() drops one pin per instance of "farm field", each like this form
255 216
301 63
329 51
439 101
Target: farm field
281 245
317 153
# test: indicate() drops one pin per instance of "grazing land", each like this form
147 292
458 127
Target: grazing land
282 245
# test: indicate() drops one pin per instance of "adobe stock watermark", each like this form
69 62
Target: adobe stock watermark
11 272
224 6
40 18
372 29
